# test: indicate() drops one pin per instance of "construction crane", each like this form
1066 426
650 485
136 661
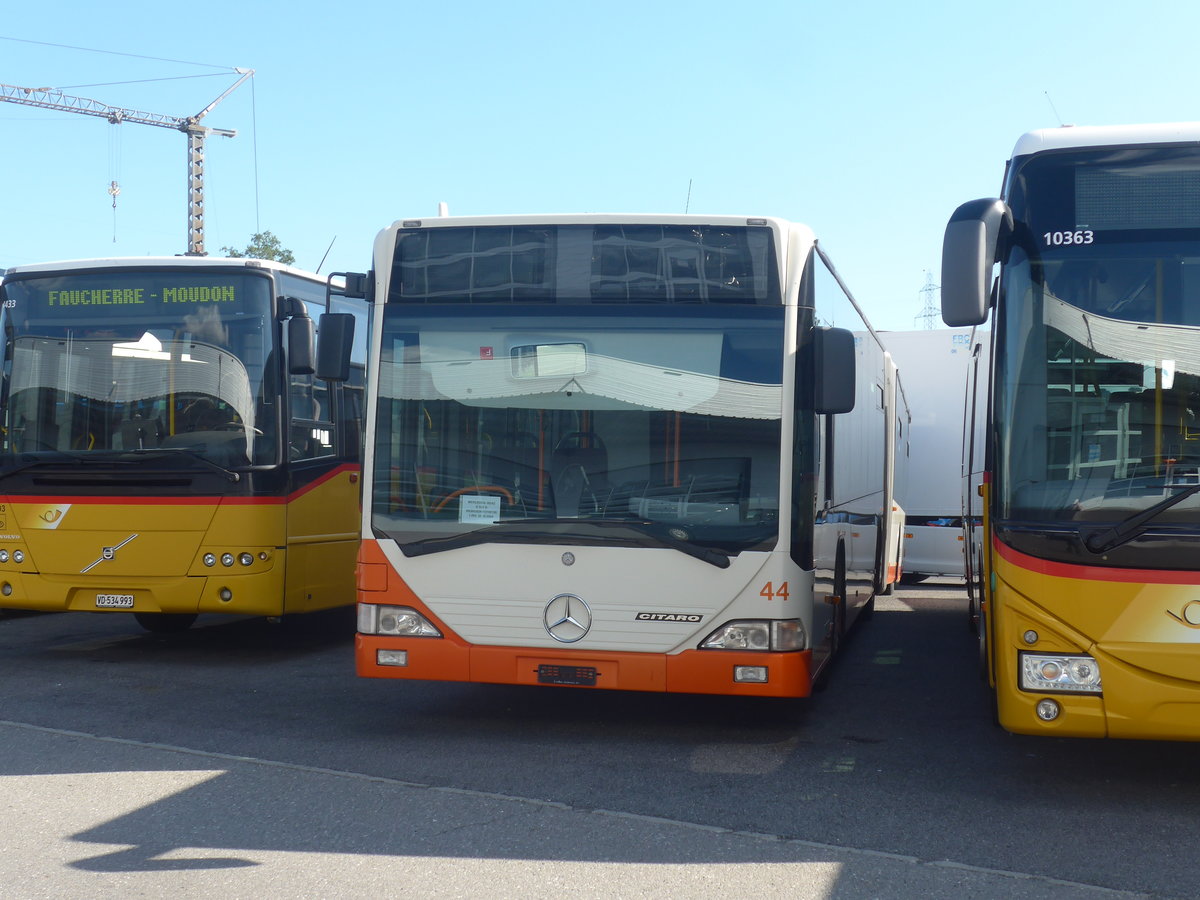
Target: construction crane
49 98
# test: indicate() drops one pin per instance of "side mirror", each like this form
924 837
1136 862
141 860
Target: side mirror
357 285
334 346
969 249
833 371
301 345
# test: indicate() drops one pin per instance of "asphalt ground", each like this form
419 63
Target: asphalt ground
245 759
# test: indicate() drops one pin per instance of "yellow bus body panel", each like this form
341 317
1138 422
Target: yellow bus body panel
80 553
1142 627
323 524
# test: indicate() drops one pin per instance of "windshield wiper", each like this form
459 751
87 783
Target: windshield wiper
229 474
76 460
514 532
60 457
1103 539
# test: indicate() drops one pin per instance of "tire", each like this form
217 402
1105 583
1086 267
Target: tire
838 625
165 623
984 669
867 613
839 611
981 644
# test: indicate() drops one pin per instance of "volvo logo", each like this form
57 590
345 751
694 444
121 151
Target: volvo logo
107 553
567 618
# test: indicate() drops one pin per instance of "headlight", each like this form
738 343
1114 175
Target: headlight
1075 673
395 620
755 635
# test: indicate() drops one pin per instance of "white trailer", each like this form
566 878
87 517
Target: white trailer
934 369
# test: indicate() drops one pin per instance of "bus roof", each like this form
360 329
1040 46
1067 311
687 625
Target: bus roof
155 262
1074 136
591 219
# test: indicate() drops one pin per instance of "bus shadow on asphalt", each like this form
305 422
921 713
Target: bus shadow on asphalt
213 638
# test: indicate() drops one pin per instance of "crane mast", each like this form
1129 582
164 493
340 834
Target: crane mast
49 98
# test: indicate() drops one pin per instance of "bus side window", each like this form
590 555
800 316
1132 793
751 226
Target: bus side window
310 434
310 429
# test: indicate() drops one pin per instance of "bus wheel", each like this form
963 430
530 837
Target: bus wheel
165 623
984 668
838 631
868 611
981 643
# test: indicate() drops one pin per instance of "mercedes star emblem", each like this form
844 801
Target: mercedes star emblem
567 618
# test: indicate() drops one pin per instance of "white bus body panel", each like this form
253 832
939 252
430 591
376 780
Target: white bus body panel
617 584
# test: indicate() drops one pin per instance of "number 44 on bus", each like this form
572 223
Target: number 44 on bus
649 453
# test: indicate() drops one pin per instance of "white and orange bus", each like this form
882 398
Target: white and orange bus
165 448
634 452
1089 619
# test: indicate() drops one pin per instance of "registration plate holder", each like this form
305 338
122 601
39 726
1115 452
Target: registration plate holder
583 676
114 601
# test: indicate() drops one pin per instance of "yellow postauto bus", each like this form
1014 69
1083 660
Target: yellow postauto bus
165 449
1089 624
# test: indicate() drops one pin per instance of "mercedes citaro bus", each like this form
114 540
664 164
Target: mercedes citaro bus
637 452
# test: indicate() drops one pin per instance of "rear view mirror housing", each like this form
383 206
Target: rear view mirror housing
970 247
833 371
334 345
301 337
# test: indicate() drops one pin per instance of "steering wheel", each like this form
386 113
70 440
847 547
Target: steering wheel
490 488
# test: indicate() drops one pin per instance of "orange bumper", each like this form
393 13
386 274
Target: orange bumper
692 672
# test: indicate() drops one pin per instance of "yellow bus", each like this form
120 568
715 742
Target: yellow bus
650 453
165 449
1089 585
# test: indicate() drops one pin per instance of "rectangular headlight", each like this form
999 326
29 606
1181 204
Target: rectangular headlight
394 620
1060 672
739 636
758 635
750 674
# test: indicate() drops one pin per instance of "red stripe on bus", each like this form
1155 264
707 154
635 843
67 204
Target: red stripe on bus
1093 573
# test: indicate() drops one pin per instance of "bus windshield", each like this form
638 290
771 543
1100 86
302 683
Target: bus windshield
1098 375
117 361
578 417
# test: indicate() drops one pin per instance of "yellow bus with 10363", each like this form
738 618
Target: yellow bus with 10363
1088 611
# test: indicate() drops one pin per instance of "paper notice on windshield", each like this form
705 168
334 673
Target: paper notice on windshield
479 508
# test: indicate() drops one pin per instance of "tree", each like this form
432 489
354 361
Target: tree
263 245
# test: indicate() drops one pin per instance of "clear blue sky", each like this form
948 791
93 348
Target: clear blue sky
870 121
